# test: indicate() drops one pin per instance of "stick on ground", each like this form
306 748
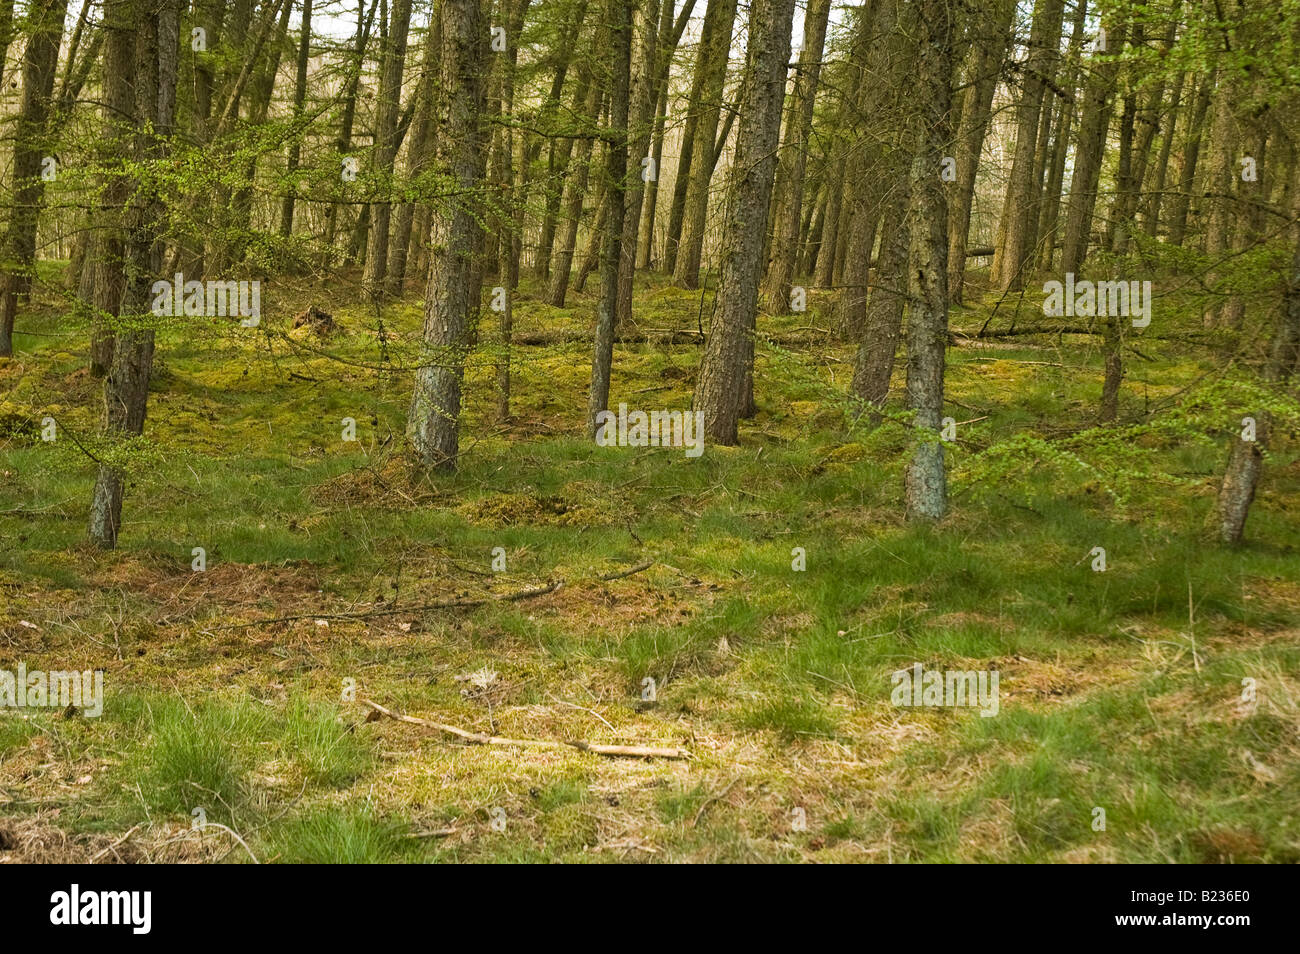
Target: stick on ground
479 738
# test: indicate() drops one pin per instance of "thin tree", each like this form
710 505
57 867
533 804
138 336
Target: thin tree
618 20
721 391
433 425
32 148
143 44
927 325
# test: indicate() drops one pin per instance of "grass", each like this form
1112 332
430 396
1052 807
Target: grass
1120 691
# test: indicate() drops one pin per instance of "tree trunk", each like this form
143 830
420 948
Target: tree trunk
509 251
434 419
1220 191
1188 160
1093 125
713 59
884 317
1154 201
612 250
1021 207
704 75
575 195
31 145
299 97
643 98
385 150
6 31
728 353
423 134
559 153
143 42
927 325
793 162
825 274
874 166
351 86
987 51
1245 459
667 47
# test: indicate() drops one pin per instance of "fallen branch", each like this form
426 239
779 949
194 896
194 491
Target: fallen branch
480 738
645 565
115 845
526 594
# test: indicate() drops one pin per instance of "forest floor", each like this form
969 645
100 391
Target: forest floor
1120 690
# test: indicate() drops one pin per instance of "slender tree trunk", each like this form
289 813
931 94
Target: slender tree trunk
697 114
884 318
1021 208
1050 215
825 273
1155 199
6 31
574 196
1093 125
1246 457
1220 190
986 57
713 53
299 97
927 325
643 97
793 162
1188 160
591 258
728 352
667 48
423 134
143 41
508 254
434 420
31 145
873 167
385 151
351 85
560 151
612 250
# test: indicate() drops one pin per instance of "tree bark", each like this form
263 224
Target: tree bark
927 326
728 352
418 154
143 40
385 150
793 161
1020 209
713 57
575 194
295 146
1093 125
434 420
31 145
1245 458
986 54
612 251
